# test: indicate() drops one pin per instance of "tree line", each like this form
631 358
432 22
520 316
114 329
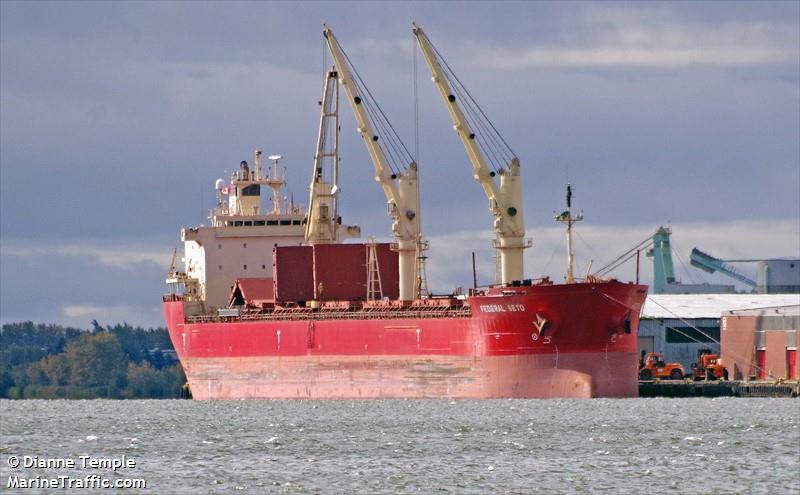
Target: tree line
42 361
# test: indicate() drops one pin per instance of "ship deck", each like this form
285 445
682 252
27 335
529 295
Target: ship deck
294 314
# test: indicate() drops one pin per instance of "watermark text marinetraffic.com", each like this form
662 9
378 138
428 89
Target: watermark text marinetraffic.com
29 472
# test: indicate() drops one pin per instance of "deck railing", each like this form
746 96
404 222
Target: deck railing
327 314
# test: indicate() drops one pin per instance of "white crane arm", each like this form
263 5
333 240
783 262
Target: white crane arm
505 198
505 203
403 206
398 179
481 172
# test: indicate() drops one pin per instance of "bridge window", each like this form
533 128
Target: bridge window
252 190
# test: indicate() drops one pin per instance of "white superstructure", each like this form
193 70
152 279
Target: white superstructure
239 241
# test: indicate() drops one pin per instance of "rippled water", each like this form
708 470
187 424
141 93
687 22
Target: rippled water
729 445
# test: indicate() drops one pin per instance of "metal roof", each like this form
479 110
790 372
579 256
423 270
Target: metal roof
775 311
711 305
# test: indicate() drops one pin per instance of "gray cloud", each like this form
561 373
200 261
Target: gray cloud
76 283
117 117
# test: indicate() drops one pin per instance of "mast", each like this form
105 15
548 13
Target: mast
276 183
492 161
566 218
323 201
257 162
395 170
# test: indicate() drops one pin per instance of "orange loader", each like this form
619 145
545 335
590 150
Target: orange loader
654 366
709 367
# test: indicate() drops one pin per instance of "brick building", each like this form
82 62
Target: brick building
761 343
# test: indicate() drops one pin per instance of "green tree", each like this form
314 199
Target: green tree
132 341
6 382
144 381
46 361
56 367
20 376
96 360
35 374
26 342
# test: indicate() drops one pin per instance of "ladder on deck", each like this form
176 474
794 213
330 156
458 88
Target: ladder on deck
374 289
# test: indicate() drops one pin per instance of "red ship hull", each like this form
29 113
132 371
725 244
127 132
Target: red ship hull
545 341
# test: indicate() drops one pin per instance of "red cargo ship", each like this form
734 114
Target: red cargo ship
272 304
537 341
310 331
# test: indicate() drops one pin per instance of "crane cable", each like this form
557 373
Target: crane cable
623 257
396 152
416 108
487 136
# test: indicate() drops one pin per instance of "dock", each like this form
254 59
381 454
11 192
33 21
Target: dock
721 388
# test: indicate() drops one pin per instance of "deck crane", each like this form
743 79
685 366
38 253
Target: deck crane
490 156
395 171
323 223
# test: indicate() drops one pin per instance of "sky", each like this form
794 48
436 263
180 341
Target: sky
116 118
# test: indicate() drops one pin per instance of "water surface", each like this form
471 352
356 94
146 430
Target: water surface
726 445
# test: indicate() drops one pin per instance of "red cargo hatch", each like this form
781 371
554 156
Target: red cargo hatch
340 272
292 270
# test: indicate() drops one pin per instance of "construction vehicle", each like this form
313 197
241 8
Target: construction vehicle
655 367
709 367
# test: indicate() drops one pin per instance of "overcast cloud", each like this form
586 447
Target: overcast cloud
116 118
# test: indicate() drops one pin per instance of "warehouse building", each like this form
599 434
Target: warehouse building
682 325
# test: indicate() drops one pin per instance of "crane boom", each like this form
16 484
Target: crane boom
505 198
710 264
400 183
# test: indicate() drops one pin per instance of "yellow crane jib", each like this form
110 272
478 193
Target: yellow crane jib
395 170
494 166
